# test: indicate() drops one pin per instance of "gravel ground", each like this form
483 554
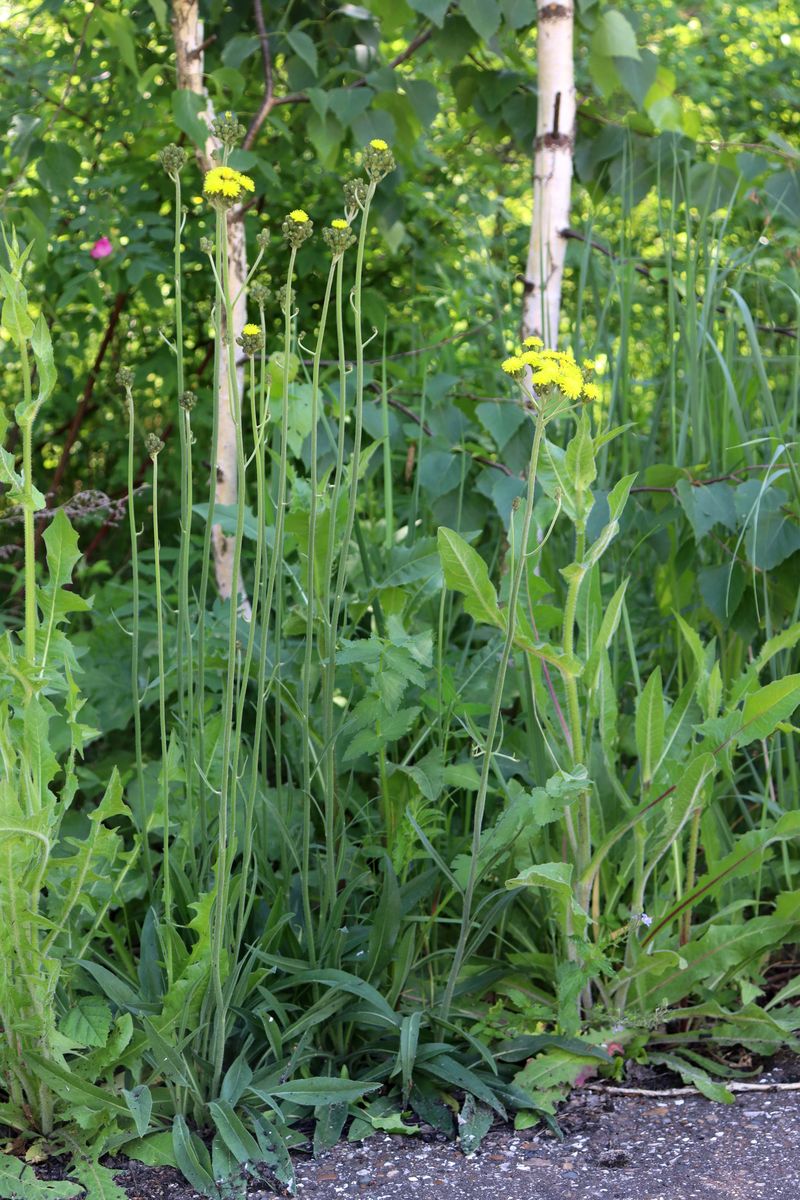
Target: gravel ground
615 1147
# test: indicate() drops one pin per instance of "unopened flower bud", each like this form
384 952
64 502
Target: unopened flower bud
228 130
378 159
173 159
125 378
188 401
338 236
153 445
259 293
355 193
297 227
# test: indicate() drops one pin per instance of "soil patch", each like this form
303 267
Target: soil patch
616 1147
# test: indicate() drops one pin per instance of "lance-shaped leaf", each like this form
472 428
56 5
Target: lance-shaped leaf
43 353
466 572
650 727
765 709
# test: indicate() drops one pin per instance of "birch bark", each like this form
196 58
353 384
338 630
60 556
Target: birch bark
187 29
552 172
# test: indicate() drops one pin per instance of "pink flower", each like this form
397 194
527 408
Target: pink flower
101 249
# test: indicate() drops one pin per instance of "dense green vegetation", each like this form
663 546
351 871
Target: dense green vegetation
497 782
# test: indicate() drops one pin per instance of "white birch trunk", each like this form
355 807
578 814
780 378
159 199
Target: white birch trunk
187 31
552 172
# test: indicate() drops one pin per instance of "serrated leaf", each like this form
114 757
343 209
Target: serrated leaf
18 1181
98 1180
88 1022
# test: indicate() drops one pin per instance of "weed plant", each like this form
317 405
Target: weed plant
442 817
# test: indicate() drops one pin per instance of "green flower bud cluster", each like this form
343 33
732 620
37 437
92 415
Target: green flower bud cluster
173 159
282 296
228 130
262 239
251 340
355 193
338 236
125 378
260 293
297 227
188 401
206 245
153 445
378 160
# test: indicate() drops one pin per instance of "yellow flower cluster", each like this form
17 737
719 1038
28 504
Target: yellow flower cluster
299 216
379 144
339 223
223 183
552 368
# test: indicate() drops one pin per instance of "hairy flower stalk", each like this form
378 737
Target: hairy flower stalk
215 255
154 448
173 159
262 603
125 378
329 644
311 588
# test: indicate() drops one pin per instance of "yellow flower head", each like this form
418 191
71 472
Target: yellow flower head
533 343
226 185
379 144
251 330
339 223
591 391
299 216
513 365
589 364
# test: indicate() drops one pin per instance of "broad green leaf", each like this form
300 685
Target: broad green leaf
694 1077
466 572
97 1179
186 109
650 727
87 1023
483 16
193 1159
140 1102
121 32
15 316
614 36
474 1122
19 1182
304 47
435 10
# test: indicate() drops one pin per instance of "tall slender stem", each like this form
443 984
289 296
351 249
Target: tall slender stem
30 540
166 882
494 715
137 711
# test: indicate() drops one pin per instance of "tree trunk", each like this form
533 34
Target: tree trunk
552 173
187 31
